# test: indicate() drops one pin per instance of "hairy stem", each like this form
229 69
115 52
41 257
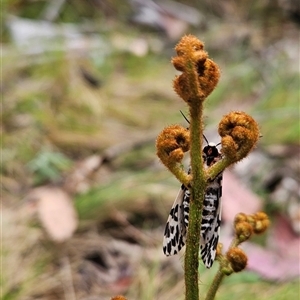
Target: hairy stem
196 204
215 285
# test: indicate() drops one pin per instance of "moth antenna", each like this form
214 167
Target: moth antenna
184 117
189 123
218 144
205 139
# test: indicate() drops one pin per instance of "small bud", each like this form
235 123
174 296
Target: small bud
237 258
251 219
118 298
240 217
261 223
243 231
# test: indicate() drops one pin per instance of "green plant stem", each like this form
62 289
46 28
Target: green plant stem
218 167
215 285
196 204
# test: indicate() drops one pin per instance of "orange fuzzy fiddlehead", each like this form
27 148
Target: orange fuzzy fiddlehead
239 133
171 144
200 74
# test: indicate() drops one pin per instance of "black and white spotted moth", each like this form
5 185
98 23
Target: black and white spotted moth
176 228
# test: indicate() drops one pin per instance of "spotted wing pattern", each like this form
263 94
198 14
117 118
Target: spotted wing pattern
211 220
177 224
175 231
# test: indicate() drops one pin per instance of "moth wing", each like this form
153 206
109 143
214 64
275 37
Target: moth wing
175 230
210 231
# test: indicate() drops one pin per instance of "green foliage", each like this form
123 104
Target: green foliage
124 190
48 166
280 109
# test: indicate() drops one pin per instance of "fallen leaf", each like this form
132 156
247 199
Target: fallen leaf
56 212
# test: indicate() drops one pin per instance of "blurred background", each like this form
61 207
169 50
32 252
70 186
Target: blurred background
86 88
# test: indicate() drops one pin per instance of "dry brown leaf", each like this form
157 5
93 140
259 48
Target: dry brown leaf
56 212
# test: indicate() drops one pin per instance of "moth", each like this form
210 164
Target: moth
177 224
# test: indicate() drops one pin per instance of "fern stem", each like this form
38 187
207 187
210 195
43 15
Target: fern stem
196 204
